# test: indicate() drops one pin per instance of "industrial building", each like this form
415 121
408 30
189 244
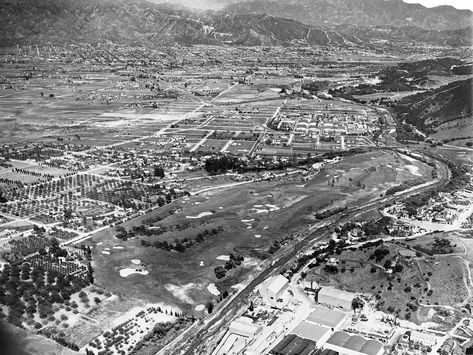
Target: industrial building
272 290
294 345
346 344
333 297
318 334
324 316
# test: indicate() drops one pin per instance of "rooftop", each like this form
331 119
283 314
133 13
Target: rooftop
293 345
336 293
355 342
276 283
310 331
325 316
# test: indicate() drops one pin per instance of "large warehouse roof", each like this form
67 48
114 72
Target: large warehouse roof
355 343
325 316
336 293
277 283
310 331
293 345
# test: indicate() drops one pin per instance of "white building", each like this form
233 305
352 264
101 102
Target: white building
272 290
333 297
426 339
244 327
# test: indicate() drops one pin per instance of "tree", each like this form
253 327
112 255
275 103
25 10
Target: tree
442 244
158 171
210 307
398 268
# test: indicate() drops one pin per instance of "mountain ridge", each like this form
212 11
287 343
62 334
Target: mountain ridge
138 22
395 13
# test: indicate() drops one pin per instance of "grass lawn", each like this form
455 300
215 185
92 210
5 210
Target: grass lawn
253 217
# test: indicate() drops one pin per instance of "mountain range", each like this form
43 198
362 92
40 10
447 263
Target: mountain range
139 22
392 13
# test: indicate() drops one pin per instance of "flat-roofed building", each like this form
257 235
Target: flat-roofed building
327 317
316 333
346 344
272 290
333 297
423 338
244 328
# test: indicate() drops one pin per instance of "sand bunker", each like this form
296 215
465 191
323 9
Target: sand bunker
200 308
119 247
106 252
223 257
136 261
265 209
127 272
257 236
180 292
414 170
200 215
213 290
247 220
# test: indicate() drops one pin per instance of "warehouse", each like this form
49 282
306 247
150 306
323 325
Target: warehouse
346 344
294 345
272 290
316 333
333 297
324 316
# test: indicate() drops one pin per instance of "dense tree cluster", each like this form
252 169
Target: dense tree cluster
234 262
180 245
220 164
27 289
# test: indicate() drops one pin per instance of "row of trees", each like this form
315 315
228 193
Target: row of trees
180 245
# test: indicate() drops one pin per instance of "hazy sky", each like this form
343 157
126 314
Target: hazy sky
459 4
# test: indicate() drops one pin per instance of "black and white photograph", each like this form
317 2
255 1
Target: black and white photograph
236 177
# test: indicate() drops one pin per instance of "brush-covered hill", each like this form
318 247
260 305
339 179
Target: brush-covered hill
444 113
138 22
367 13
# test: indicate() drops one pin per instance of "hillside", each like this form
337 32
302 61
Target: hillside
445 112
138 22
393 13
144 23
380 34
